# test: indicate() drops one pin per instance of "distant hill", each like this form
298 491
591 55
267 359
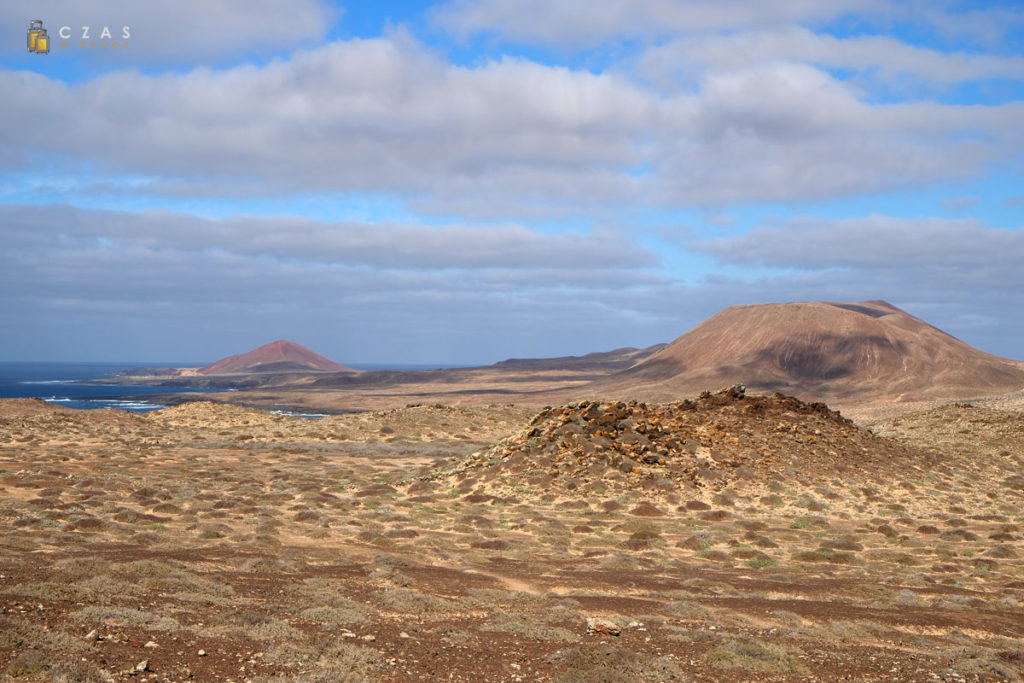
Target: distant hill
619 359
821 350
278 356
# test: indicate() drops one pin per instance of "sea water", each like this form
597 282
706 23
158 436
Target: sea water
65 384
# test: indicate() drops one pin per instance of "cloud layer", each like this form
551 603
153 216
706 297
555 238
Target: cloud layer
389 116
464 293
446 285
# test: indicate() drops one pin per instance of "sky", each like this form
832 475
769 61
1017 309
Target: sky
464 181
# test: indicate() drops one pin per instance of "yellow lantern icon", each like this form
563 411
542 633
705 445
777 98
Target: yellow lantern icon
38 41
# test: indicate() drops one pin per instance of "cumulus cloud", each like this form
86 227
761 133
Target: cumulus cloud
790 131
362 115
387 115
179 32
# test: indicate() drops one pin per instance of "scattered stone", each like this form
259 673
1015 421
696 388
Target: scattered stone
602 626
151 644
142 666
201 653
369 638
710 438
92 635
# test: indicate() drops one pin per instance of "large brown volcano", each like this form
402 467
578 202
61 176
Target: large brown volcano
278 356
820 350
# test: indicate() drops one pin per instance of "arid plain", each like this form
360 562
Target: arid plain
729 535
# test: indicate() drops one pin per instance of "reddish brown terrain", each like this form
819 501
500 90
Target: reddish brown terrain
842 353
725 537
278 356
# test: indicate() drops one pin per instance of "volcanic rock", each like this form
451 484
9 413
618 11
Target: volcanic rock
830 351
278 356
705 442
602 626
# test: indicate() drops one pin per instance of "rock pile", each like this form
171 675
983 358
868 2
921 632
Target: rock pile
707 441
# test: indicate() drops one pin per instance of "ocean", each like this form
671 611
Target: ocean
61 383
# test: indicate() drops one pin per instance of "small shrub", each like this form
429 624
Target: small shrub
761 562
609 664
248 624
334 661
338 616
752 655
125 617
30 663
528 627
413 602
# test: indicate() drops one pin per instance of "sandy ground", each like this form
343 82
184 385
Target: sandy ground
769 541
532 389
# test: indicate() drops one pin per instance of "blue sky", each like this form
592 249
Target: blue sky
468 180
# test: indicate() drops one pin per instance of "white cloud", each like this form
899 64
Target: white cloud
789 131
388 116
364 115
